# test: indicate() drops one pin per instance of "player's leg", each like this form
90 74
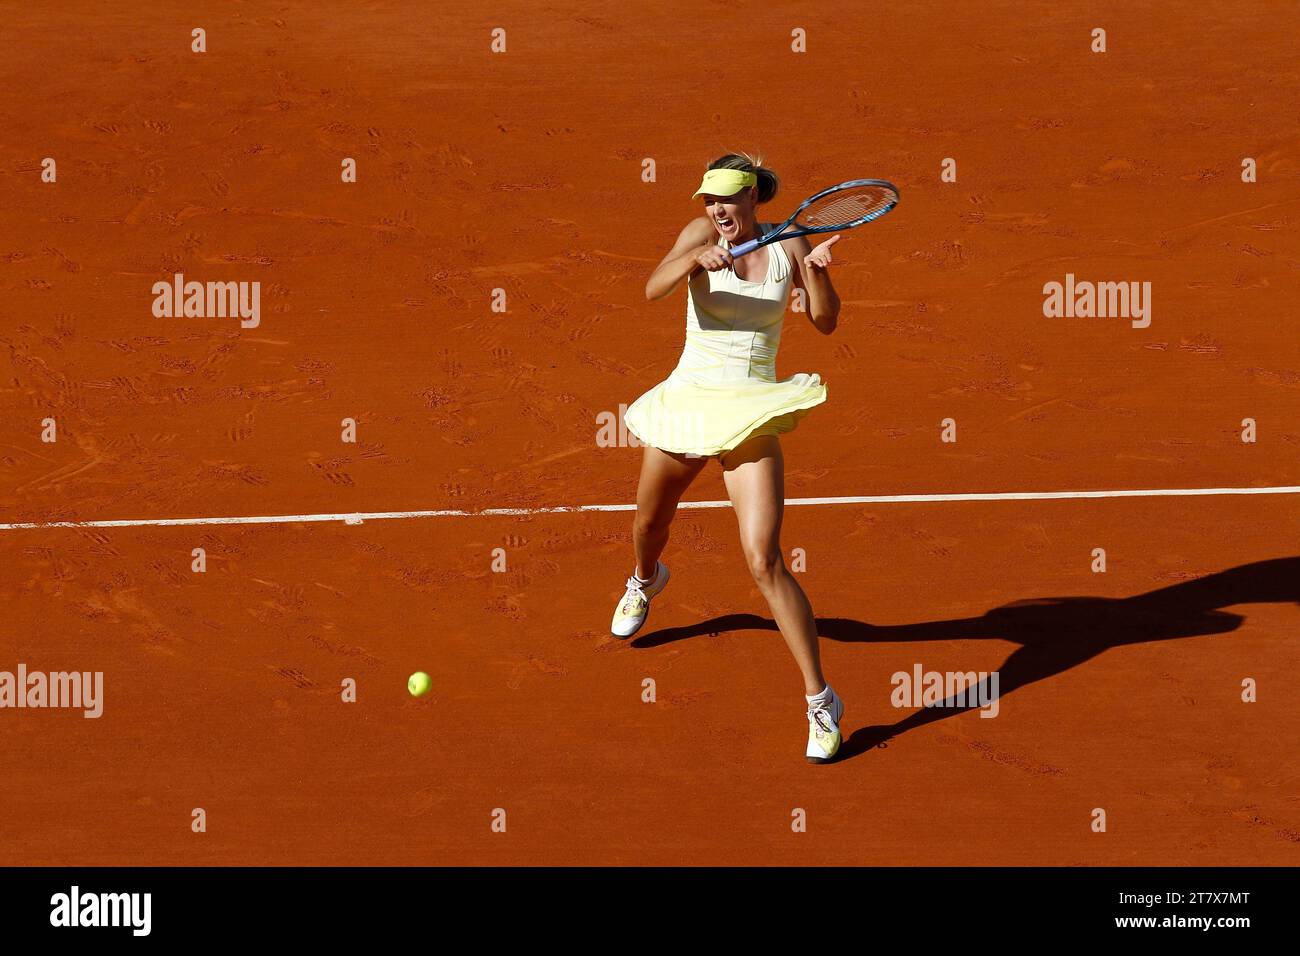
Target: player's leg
665 476
754 474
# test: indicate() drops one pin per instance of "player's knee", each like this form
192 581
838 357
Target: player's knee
650 524
766 566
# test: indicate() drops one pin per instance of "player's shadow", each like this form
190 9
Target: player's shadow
1054 633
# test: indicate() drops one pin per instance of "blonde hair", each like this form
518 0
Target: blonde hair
768 181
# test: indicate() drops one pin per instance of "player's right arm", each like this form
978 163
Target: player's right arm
695 249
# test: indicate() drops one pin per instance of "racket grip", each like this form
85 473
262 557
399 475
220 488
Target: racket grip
743 248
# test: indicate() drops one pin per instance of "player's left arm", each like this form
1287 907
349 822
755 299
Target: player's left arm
813 277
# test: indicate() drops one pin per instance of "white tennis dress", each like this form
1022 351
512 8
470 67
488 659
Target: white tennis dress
724 388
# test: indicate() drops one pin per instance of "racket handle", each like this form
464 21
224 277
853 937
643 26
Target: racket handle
743 248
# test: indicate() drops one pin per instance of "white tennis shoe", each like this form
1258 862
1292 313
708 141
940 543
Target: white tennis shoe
635 606
824 727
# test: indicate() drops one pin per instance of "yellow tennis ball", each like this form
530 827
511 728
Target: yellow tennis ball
418 683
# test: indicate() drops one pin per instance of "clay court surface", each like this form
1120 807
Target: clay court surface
522 171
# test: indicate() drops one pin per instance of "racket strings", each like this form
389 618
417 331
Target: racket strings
848 206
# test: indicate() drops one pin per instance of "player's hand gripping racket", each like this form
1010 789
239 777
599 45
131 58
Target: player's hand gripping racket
845 206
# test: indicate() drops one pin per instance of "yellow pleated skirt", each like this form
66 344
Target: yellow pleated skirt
687 417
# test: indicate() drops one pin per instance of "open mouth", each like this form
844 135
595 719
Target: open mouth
726 225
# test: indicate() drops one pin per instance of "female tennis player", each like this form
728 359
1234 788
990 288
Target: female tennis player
723 401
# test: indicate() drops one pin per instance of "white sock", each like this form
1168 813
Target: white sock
825 696
645 580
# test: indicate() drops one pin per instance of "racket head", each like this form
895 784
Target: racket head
849 204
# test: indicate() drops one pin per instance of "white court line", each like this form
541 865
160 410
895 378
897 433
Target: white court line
363 516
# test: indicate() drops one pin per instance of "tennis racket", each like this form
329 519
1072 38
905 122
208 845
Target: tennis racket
845 206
